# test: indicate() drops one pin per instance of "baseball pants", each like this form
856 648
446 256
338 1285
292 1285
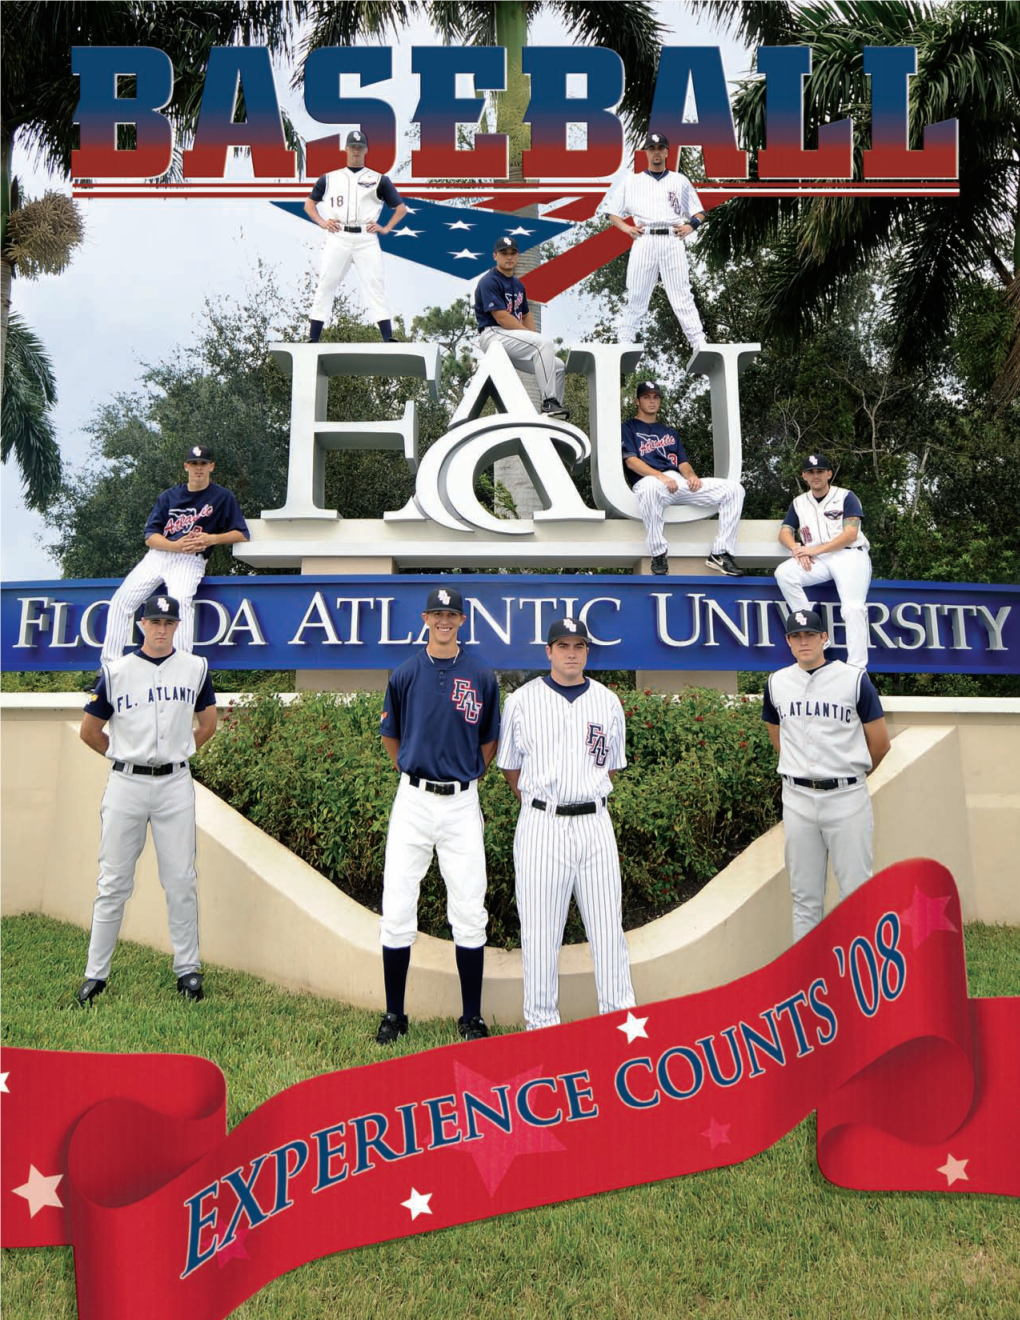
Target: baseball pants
530 352
419 822
338 251
819 826
554 857
850 569
653 499
179 573
652 255
131 804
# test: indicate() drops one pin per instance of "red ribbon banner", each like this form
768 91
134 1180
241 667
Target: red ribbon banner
866 1019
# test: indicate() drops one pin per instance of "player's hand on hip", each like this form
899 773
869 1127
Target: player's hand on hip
636 228
334 226
374 228
683 230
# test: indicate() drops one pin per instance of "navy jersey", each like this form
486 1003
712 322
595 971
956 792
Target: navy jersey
98 703
496 292
654 444
385 190
179 511
443 712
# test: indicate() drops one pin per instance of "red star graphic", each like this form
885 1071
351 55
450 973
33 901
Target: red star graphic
925 916
235 1251
718 1134
497 1150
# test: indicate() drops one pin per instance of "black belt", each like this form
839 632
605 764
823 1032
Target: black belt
444 790
660 230
570 808
352 229
127 768
823 785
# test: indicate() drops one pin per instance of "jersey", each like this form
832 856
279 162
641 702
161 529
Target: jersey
655 199
443 712
818 521
564 746
654 444
496 292
354 196
180 510
821 715
150 703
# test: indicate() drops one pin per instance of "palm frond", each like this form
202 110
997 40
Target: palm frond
635 33
25 423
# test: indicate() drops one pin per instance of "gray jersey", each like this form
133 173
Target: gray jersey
655 201
153 707
820 726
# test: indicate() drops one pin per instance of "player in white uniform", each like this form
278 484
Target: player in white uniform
351 200
825 720
663 209
151 698
562 741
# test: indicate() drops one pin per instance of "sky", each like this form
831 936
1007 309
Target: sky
137 286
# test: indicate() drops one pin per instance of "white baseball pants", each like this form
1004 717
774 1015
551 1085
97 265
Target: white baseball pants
554 857
819 826
181 575
338 251
131 803
530 352
653 499
453 825
850 569
652 255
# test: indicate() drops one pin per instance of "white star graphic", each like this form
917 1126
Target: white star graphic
465 255
406 233
39 1191
411 210
954 1170
418 1203
457 224
3 1083
633 1027
521 230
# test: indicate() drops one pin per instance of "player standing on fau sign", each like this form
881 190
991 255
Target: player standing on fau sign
440 726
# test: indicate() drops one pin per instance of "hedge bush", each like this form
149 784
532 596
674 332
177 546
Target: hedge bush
700 785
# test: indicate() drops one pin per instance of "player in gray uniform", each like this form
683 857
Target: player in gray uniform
151 698
563 739
826 722
663 209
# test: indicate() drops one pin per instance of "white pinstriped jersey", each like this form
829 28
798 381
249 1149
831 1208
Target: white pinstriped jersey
821 731
655 201
823 519
563 749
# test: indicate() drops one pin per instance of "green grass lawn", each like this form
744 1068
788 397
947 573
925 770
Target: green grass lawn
767 1240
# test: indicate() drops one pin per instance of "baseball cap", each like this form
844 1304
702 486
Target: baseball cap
199 454
356 139
647 387
505 245
804 621
161 606
566 628
656 140
445 598
820 461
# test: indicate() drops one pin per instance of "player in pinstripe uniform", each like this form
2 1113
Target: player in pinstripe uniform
186 522
563 739
825 720
663 209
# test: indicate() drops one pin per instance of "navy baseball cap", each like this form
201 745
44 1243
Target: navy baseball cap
656 140
506 245
804 621
445 598
647 387
566 628
199 454
816 462
161 606
356 139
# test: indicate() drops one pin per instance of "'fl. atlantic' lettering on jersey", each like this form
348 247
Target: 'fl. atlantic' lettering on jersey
595 741
128 701
466 699
183 520
826 710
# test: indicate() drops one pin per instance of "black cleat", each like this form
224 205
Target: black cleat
391 1028
553 408
724 563
472 1028
660 565
89 991
190 986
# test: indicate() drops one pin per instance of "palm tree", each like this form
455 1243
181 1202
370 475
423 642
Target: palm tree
29 393
968 68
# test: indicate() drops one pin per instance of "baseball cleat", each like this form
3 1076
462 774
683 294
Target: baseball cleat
473 1028
190 986
724 563
391 1028
660 565
553 408
90 990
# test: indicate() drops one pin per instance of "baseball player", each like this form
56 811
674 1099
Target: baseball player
504 317
826 722
186 522
150 698
440 726
833 547
663 209
563 740
351 201
656 467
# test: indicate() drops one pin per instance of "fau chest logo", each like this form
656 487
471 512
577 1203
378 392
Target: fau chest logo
595 741
465 698
182 520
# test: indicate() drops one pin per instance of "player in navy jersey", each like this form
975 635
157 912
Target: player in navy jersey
440 727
